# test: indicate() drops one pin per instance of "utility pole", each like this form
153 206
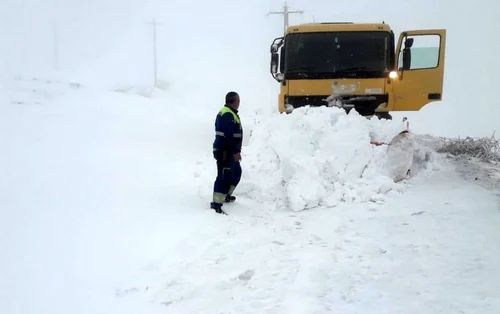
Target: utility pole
155 67
56 47
285 13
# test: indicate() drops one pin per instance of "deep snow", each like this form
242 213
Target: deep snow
104 200
323 157
419 253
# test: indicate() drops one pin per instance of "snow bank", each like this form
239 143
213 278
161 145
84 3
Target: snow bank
322 157
35 90
149 91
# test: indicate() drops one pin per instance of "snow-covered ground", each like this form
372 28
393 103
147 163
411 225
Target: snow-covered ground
104 209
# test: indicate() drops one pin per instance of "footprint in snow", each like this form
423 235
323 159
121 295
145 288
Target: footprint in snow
247 275
120 292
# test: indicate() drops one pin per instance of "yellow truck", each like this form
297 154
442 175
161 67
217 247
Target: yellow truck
358 66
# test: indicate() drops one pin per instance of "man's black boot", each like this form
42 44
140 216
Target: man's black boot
217 208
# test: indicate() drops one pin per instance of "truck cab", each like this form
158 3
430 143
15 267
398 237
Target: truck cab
358 66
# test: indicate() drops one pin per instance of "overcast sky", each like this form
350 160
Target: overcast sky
217 46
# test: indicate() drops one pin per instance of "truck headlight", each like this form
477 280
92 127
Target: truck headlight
393 74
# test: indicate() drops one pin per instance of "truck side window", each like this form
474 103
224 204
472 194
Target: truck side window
424 52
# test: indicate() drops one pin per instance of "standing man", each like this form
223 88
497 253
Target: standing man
227 150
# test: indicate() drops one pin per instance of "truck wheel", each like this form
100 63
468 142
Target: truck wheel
383 115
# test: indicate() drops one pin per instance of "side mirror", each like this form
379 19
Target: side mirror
277 43
407 53
282 60
275 59
406 58
274 63
409 42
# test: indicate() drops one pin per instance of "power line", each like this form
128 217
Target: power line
285 14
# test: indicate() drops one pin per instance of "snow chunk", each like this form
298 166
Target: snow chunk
323 156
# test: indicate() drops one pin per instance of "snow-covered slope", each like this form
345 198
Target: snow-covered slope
104 209
90 181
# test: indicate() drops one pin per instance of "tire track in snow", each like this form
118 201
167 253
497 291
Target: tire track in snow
265 264
245 273
351 259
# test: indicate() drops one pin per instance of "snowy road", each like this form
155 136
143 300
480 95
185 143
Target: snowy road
103 211
431 250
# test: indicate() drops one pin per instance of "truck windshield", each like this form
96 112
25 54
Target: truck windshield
337 54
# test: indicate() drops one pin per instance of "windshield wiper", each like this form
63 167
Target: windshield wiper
301 70
359 68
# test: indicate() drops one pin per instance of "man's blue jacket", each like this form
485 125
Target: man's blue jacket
228 134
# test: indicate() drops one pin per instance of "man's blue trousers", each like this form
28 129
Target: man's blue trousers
228 177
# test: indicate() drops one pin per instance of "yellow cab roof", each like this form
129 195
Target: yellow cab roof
337 27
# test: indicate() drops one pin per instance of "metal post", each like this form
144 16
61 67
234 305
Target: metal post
155 64
154 55
56 47
285 14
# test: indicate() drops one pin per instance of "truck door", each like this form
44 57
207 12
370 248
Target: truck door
420 58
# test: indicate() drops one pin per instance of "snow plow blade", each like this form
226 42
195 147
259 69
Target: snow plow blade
399 154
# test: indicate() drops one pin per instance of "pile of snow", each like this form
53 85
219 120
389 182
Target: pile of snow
323 156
